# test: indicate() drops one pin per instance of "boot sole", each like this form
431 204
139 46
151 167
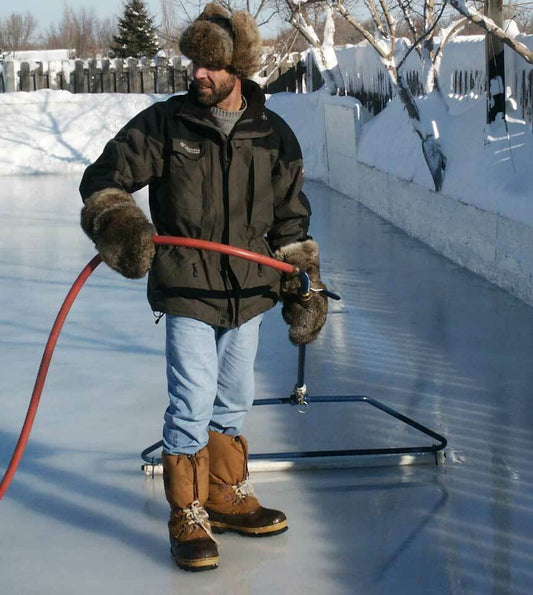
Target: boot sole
197 565
218 527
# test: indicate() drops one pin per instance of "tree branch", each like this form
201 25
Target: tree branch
339 7
423 35
490 26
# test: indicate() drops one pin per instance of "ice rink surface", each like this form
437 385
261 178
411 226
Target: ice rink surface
413 330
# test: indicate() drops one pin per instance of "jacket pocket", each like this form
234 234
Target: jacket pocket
187 197
177 266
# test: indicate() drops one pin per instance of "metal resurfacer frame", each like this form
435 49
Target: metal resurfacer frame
320 459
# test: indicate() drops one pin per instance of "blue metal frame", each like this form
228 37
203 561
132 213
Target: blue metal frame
300 399
317 454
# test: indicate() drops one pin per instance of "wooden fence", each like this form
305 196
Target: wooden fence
97 76
289 78
162 75
375 90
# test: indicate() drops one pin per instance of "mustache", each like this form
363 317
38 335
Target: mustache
198 85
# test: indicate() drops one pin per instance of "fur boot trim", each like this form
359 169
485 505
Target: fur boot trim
120 230
305 318
219 40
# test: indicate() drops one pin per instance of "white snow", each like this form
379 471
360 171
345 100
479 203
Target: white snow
48 132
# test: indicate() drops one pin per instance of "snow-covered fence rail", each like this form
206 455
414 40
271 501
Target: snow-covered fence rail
462 73
159 75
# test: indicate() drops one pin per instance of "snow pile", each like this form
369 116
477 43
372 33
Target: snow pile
46 132
489 167
304 113
58 132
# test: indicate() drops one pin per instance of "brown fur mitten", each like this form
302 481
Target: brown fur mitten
120 230
305 318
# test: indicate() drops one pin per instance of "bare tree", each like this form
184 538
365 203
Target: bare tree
169 26
521 13
17 31
185 11
301 16
263 11
381 32
82 31
489 26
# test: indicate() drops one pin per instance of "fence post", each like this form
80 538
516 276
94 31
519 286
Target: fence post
161 69
38 75
494 52
134 83
185 77
65 76
10 75
25 77
147 83
179 75
300 74
79 77
108 86
95 84
121 82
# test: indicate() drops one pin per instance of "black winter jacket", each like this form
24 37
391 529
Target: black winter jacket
244 190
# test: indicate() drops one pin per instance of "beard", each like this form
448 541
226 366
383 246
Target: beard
208 94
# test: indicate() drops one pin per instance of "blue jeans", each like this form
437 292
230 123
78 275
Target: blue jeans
210 374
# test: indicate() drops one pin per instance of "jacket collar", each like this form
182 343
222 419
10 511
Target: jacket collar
253 123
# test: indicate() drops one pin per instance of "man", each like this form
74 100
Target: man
220 167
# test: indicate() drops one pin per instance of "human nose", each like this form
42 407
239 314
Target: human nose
199 72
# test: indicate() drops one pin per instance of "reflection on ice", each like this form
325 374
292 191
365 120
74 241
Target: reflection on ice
413 331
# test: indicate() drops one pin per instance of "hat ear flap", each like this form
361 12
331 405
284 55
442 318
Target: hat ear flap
247 47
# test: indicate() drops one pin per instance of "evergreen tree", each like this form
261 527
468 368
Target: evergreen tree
137 34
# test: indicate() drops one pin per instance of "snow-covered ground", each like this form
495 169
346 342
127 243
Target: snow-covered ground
488 167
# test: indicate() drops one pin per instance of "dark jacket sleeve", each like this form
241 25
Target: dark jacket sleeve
291 207
132 159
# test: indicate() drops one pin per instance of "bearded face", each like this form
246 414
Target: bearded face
211 87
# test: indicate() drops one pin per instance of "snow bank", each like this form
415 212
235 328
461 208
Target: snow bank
47 132
488 167
59 132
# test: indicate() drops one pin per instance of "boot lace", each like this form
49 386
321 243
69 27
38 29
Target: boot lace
244 490
196 514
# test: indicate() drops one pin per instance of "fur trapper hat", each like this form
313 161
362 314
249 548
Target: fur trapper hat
219 40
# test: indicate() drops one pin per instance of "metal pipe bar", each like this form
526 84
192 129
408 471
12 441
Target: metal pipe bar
326 462
301 366
289 458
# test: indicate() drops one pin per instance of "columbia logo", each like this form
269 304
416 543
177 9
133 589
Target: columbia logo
186 147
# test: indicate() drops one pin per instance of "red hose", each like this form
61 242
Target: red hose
18 453
284 267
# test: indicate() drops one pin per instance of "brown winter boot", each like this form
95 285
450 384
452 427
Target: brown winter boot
232 505
186 479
